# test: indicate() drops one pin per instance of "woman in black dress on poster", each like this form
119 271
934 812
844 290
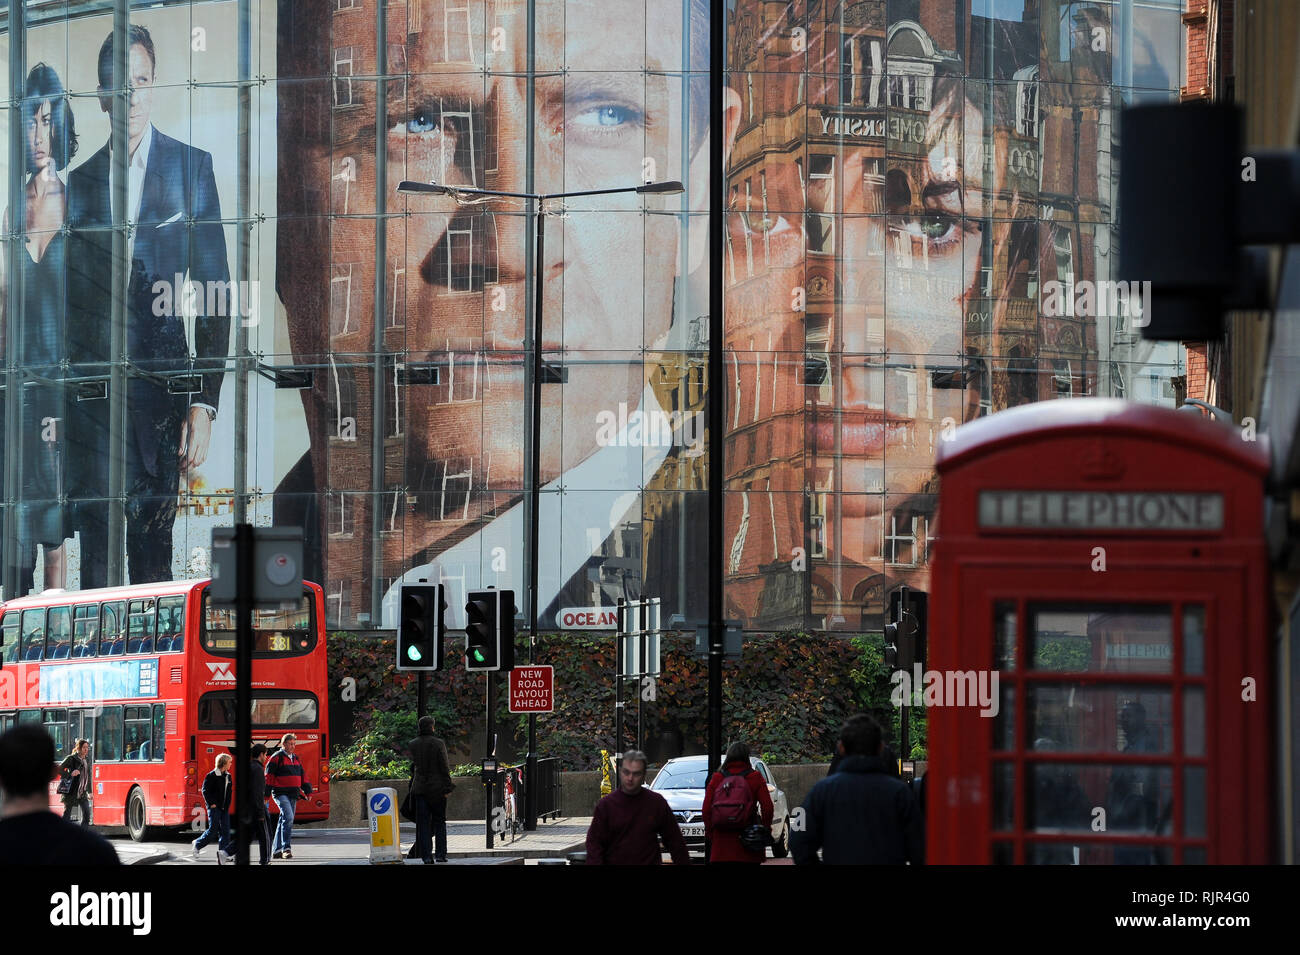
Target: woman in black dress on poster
42 328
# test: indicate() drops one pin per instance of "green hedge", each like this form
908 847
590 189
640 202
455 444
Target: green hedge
786 697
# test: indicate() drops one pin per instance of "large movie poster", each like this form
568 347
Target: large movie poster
178 291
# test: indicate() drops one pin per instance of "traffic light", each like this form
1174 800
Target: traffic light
907 631
490 630
420 627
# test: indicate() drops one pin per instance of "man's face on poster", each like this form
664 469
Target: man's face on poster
902 237
605 119
140 66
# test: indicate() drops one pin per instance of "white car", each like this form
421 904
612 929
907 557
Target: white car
682 782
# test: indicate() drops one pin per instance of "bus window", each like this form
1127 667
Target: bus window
26 717
85 630
56 724
60 640
276 633
171 624
33 634
6 722
140 620
159 743
138 732
9 653
108 734
286 709
112 631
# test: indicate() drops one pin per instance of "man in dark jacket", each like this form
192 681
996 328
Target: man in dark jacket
862 815
257 796
29 833
217 789
430 785
630 822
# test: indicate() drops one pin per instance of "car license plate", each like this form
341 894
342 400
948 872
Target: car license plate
693 831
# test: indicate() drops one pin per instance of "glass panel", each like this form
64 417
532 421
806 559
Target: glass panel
59 644
112 635
1126 798
108 734
217 710
1003 853
138 733
171 624
1193 721
1194 800
33 634
9 653
1092 853
281 632
1079 718
56 724
85 630
1004 724
1194 857
1076 638
159 731
1004 636
1004 796
1194 640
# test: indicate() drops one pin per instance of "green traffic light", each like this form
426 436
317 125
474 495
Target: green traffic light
413 653
478 656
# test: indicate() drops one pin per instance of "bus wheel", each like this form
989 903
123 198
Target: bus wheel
135 815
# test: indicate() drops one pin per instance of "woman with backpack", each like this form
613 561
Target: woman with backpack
736 799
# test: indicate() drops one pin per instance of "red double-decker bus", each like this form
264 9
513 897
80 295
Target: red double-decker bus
147 674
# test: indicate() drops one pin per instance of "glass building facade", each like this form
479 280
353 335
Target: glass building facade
219 308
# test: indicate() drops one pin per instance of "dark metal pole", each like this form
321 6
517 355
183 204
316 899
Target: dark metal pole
531 447
618 679
717 382
904 609
422 695
379 364
243 688
243 266
534 524
117 383
14 398
489 750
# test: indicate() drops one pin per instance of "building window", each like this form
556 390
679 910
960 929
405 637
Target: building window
848 72
449 489
462 376
396 296
341 300
339 599
1027 102
343 402
392 396
820 220
341 516
344 69
340 5
393 502
491 134
397 69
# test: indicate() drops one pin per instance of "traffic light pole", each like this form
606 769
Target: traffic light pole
243 688
535 492
904 736
717 383
422 695
489 751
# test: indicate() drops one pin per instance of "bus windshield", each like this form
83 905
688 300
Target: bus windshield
276 633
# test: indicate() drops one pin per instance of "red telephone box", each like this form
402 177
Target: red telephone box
1103 564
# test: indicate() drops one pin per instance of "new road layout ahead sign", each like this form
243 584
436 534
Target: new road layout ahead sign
532 689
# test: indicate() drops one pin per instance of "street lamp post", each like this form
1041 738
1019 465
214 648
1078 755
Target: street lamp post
534 375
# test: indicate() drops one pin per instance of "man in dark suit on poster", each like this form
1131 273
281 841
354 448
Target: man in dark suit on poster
177 254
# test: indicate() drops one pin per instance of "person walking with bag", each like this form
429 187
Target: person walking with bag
286 780
75 772
737 811
430 785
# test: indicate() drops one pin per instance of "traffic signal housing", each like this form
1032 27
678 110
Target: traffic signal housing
490 630
421 627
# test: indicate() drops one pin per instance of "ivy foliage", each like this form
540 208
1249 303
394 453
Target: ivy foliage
787 697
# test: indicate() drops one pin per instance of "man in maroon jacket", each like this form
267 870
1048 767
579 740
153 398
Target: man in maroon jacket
630 821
